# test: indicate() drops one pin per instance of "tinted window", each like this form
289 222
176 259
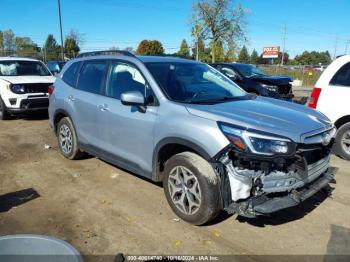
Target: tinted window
91 76
23 68
342 77
124 78
70 75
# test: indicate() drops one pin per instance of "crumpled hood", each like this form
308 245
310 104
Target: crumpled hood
265 114
276 80
28 79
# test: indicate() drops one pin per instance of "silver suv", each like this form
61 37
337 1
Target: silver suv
185 124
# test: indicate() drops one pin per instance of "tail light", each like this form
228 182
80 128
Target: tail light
315 95
51 89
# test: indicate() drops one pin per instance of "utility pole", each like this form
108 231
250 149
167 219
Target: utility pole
284 43
59 15
335 48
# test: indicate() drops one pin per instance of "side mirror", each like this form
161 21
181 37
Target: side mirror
132 98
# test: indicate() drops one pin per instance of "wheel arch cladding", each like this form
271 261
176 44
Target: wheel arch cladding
168 147
341 121
59 114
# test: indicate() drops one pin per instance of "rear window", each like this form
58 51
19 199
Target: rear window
91 76
23 68
70 75
342 77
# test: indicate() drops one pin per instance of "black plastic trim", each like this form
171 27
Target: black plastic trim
175 140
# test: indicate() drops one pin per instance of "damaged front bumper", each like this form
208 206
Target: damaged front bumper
270 203
253 186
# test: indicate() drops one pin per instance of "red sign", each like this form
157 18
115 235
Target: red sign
271 52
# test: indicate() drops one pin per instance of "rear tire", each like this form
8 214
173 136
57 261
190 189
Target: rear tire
342 142
4 114
67 139
191 187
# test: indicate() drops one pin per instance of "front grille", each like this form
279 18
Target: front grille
36 88
317 168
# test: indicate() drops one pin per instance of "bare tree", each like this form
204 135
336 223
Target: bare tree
78 37
220 21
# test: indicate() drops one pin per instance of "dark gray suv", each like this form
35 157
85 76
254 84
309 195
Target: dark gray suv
185 124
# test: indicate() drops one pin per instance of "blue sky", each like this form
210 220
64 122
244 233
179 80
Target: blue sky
311 24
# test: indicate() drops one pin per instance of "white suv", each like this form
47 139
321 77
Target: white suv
24 86
331 96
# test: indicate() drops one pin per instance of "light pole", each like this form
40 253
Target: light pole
59 15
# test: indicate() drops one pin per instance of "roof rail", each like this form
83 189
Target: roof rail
106 52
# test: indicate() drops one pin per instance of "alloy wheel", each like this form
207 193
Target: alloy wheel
66 139
184 190
345 142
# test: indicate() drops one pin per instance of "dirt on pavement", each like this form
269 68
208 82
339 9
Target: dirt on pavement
101 209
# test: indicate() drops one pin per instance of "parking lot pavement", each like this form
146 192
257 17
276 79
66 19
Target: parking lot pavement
101 209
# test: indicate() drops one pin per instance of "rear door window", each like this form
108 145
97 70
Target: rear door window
342 77
70 75
91 77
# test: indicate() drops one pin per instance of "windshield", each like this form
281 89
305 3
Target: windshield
23 68
249 70
194 83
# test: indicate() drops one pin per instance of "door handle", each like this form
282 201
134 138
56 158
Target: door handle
103 107
71 98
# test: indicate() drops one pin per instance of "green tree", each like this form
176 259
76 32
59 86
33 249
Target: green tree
230 55
25 47
51 49
150 47
244 56
9 42
71 48
313 58
203 51
254 57
220 21
219 52
78 37
184 50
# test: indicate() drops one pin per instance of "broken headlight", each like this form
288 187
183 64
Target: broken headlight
257 143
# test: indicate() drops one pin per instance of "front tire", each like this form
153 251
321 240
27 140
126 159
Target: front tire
4 114
191 187
67 139
342 142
